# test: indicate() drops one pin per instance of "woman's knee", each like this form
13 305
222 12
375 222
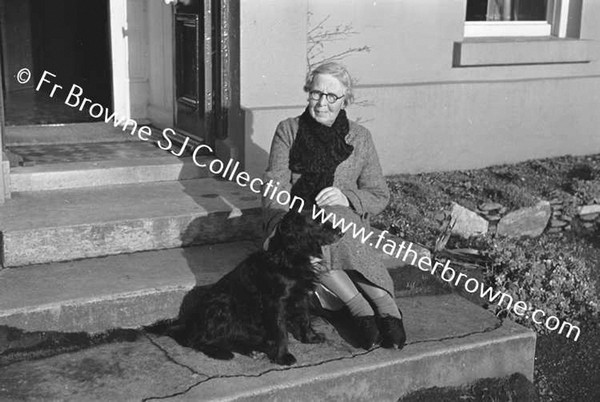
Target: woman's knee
339 283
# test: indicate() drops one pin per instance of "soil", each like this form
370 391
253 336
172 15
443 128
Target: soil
565 370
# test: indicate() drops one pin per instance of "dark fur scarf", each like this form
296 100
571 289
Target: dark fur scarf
316 153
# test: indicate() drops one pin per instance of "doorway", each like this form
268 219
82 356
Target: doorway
68 38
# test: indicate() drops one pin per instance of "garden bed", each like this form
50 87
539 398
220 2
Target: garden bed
557 270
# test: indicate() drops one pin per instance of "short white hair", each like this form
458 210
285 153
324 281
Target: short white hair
336 70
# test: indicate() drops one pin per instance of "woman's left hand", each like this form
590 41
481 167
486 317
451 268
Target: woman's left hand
331 196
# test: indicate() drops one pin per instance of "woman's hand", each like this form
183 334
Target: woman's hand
331 196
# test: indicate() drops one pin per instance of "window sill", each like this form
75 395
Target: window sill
505 51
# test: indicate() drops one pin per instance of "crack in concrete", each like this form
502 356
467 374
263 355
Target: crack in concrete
288 368
483 331
172 359
256 375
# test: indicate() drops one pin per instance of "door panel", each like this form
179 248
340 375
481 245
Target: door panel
193 70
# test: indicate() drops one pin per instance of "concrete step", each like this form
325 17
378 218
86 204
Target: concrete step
58 176
131 290
451 342
121 291
61 225
65 134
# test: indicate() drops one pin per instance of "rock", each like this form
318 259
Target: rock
589 217
440 216
466 222
493 217
490 206
557 223
554 230
589 225
529 221
589 209
566 218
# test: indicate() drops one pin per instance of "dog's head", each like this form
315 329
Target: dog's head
300 235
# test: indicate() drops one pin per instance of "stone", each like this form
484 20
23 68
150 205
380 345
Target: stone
589 225
589 209
589 217
554 230
490 206
529 222
493 217
467 223
556 223
440 216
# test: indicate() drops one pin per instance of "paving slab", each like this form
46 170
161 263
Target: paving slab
61 225
450 342
110 292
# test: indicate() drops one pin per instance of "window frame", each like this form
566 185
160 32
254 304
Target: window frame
555 25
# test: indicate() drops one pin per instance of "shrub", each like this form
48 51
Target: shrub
543 274
587 191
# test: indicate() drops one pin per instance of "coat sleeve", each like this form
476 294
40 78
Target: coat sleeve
277 172
371 195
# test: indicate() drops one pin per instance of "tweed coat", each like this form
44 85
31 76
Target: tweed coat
360 179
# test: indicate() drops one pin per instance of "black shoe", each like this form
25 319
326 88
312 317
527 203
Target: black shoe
367 331
392 332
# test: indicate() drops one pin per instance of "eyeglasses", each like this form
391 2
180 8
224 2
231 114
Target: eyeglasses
331 98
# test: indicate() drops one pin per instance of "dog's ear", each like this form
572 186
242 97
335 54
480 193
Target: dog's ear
298 233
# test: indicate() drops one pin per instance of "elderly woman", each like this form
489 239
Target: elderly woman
330 161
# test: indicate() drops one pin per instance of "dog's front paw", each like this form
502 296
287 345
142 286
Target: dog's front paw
313 337
286 359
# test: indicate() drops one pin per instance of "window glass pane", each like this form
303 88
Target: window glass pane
506 10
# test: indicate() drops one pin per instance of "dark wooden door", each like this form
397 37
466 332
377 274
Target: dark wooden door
193 70
203 75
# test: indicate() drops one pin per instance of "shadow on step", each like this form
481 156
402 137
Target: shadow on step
18 345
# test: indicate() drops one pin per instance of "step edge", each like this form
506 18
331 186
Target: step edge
233 213
365 367
63 167
209 177
83 301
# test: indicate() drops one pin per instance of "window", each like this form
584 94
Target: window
521 17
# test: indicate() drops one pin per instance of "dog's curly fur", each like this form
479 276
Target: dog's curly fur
253 307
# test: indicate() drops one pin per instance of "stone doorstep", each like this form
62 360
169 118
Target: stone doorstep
47 226
451 342
57 176
132 290
122 291
384 375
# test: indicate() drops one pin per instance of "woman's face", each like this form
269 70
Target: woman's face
321 110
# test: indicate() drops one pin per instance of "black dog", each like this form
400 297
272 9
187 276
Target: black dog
254 306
